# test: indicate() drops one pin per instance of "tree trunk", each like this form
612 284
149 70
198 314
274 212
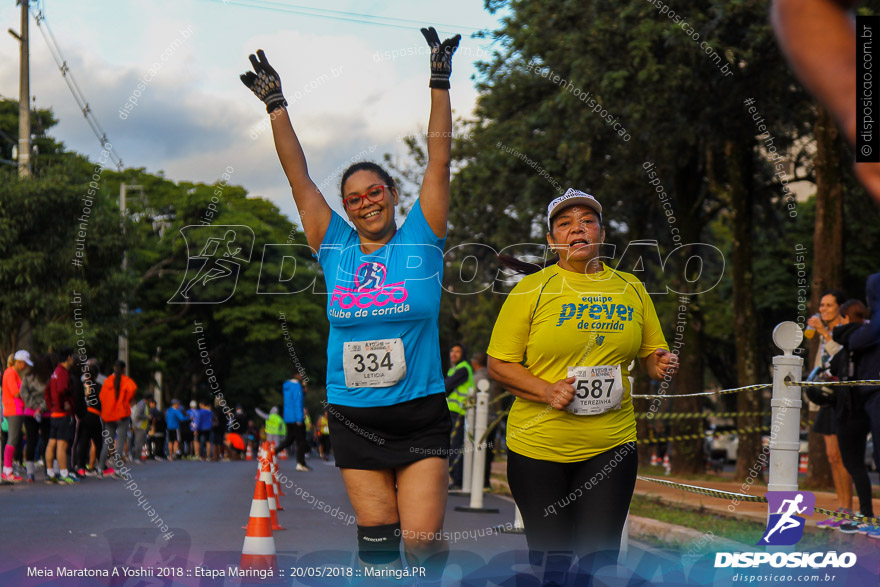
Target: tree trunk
745 322
686 456
827 259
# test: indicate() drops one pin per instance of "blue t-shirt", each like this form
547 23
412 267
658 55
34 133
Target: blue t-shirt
204 419
393 293
173 418
292 391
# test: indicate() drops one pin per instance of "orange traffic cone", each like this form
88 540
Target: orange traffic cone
654 460
802 464
266 477
274 471
258 551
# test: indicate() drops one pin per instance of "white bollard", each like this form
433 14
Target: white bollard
478 465
785 409
468 445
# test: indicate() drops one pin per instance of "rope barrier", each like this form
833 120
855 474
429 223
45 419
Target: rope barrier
721 392
689 415
832 383
752 498
679 437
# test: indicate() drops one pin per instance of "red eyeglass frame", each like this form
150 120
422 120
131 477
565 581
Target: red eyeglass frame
364 197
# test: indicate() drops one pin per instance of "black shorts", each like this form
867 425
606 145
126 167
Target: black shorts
62 428
204 436
826 422
388 437
173 435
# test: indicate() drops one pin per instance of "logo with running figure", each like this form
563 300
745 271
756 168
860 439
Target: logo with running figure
215 255
785 526
370 275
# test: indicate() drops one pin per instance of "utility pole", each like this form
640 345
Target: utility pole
24 95
123 307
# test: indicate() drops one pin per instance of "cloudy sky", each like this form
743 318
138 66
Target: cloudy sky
353 87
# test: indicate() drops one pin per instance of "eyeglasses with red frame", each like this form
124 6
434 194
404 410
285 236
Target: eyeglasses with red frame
356 201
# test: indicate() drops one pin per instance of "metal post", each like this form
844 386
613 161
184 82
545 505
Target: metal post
123 308
785 409
479 461
24 98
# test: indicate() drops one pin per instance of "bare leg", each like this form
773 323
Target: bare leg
842 479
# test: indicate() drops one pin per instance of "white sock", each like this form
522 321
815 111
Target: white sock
64 472
50 474
7 470
30 467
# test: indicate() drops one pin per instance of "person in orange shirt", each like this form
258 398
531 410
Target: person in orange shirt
116 395
13 410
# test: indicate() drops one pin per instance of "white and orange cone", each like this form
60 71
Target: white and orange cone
266 477
258 551
803 463
274 472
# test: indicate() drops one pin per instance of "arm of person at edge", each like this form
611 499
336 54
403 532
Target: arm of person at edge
819 40
434 195
521 383
314 212
454 380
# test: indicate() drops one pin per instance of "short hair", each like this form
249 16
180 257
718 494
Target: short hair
64 353
855 310
839 296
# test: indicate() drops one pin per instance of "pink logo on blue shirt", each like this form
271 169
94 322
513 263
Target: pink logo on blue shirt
371 289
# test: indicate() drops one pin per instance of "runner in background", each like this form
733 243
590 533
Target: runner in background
275 428
203 418
322 436
33 394
59 404
384 385
14 411
292 390
175 419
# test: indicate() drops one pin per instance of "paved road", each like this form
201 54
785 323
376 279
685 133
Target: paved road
101 523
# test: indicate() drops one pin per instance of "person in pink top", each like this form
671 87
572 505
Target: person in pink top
13 410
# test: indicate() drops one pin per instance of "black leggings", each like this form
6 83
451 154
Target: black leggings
852 438
579 507
89 432
295 433
32 430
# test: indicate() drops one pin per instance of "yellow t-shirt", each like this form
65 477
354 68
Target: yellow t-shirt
555 319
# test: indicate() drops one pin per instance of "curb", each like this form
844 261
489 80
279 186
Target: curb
640 527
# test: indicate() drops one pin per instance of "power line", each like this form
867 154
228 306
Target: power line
347 16
81 101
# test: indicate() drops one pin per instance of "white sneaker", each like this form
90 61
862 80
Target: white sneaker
303 468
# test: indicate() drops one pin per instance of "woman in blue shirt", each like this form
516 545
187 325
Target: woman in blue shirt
388 415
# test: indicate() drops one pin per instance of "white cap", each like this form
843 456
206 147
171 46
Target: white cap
24 356
570 198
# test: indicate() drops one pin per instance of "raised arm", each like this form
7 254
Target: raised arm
434 196
314 212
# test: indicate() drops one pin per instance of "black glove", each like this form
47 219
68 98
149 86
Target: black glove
441 57
265 83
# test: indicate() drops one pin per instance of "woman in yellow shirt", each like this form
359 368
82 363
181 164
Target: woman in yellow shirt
562 344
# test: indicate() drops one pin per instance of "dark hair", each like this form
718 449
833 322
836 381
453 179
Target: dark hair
480 358
43 367
118 370
64 353
839 296
855 310
365 166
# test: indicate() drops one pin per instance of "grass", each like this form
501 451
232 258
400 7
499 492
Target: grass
741 530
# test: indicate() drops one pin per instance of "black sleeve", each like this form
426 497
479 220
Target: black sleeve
454 380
